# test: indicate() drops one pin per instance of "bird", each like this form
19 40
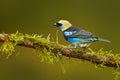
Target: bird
76 35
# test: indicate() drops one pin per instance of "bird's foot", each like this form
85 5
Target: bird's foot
84 50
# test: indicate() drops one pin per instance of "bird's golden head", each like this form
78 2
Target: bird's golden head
63 24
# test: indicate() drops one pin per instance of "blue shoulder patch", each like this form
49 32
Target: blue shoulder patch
67 33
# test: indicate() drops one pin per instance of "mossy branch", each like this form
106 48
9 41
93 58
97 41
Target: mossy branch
53 49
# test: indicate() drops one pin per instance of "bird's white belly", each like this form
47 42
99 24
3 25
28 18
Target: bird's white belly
83 44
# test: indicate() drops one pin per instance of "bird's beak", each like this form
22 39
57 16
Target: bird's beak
54 24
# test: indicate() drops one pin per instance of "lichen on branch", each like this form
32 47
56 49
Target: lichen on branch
52 51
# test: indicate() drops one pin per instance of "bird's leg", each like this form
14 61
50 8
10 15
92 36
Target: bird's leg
75 45
84 49
83 45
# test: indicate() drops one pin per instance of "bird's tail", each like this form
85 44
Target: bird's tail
104 40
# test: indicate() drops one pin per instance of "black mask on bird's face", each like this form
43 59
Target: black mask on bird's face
59 25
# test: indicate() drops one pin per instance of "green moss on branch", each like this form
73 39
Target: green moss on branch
50 51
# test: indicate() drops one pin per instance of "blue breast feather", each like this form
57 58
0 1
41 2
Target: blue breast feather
76 40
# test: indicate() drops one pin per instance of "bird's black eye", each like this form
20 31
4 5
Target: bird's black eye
59 24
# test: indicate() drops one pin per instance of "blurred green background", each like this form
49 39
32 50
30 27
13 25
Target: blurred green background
101 17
